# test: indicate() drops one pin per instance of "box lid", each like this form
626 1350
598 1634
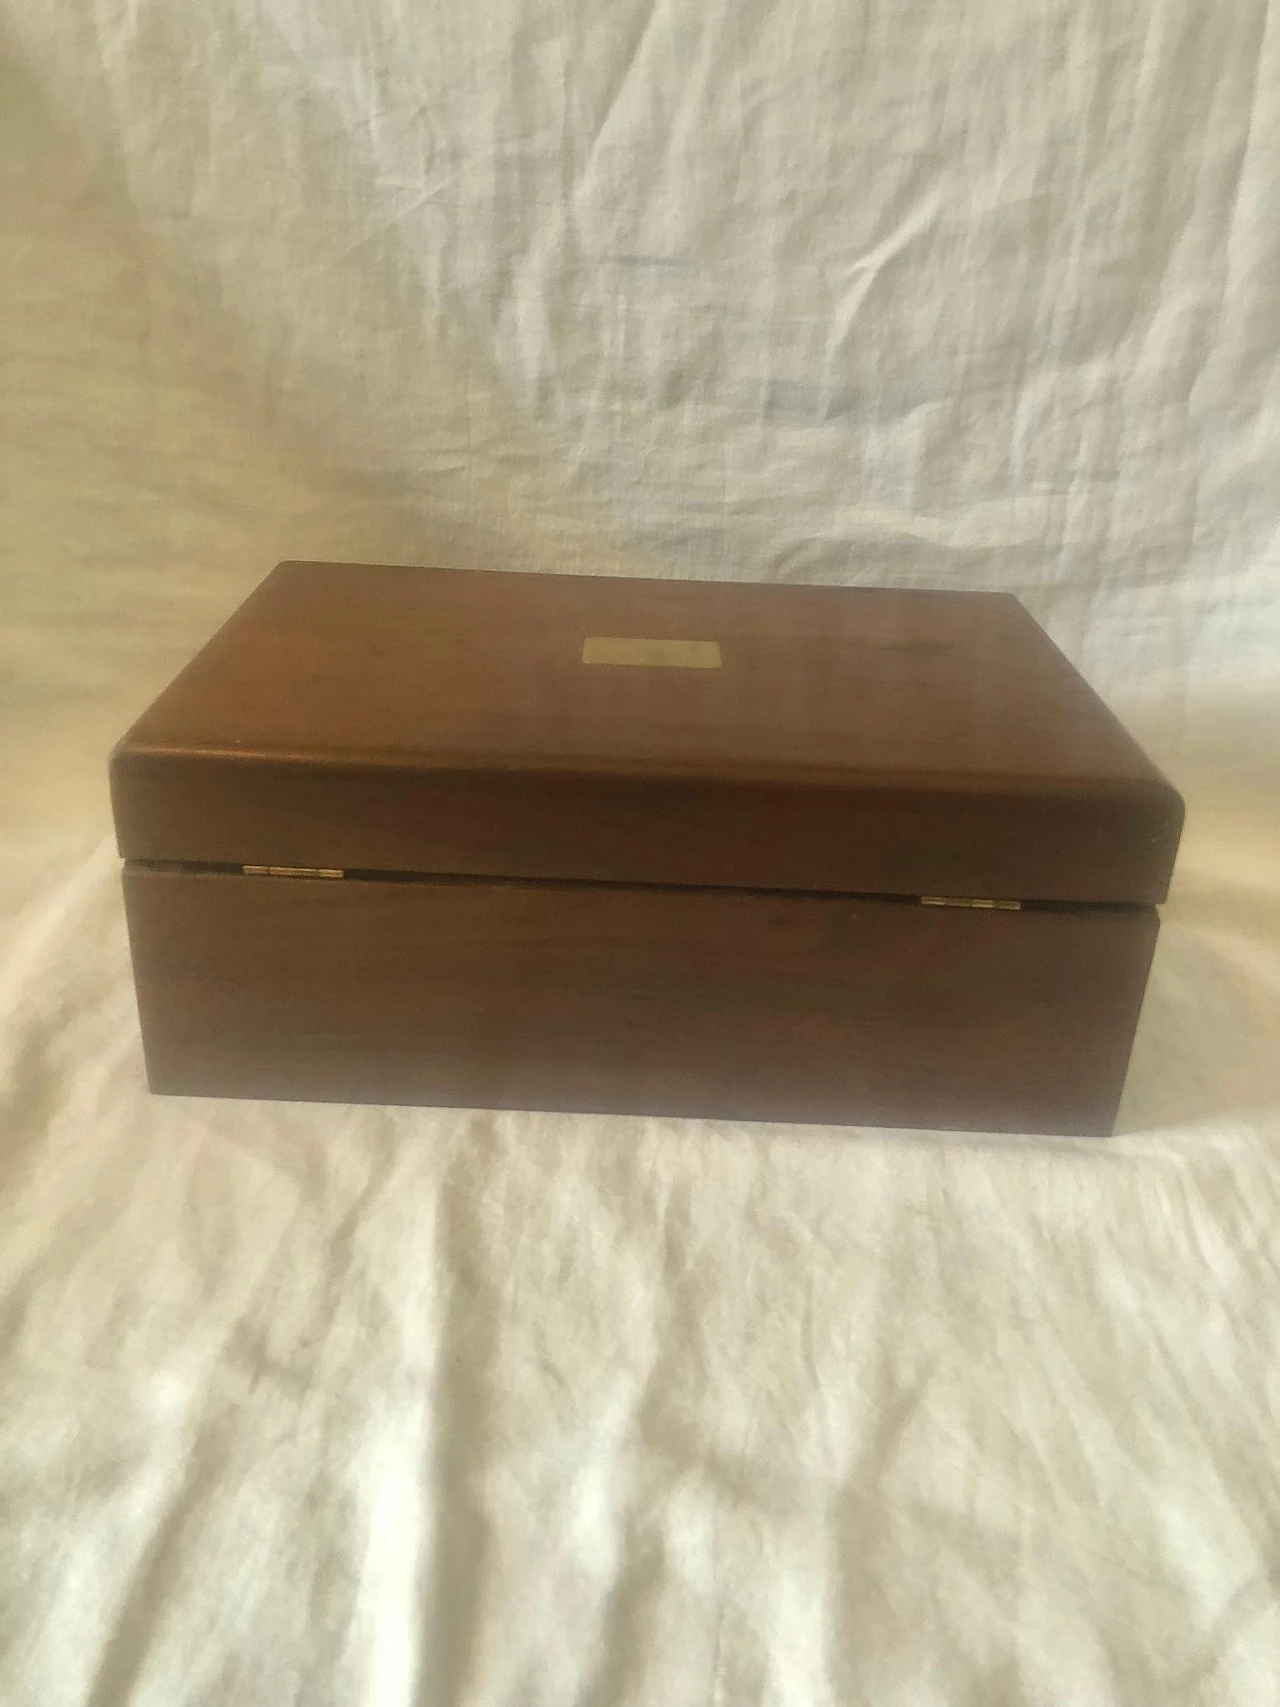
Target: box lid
371 718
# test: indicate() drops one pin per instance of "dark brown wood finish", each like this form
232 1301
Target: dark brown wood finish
857 740
625 999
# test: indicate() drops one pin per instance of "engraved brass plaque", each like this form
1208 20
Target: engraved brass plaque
668 654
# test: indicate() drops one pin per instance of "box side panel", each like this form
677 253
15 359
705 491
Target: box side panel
610 999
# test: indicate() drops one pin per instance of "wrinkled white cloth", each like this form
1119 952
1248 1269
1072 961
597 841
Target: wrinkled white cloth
335 1406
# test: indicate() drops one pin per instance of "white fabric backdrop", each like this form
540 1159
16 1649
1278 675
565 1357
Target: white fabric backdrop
334 1405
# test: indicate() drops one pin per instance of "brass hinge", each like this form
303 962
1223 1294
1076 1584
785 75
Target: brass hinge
292 871
967 901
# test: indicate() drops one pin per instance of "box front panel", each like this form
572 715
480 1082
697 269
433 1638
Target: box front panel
602 998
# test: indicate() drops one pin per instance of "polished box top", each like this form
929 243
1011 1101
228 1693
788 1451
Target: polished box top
577 727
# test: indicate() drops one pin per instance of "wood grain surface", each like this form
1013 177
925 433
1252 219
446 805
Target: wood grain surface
637 1000
851 739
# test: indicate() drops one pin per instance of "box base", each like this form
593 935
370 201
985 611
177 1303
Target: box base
599 998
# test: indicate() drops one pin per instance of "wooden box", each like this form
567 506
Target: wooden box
692 848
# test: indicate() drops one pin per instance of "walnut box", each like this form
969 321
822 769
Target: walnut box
760 852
